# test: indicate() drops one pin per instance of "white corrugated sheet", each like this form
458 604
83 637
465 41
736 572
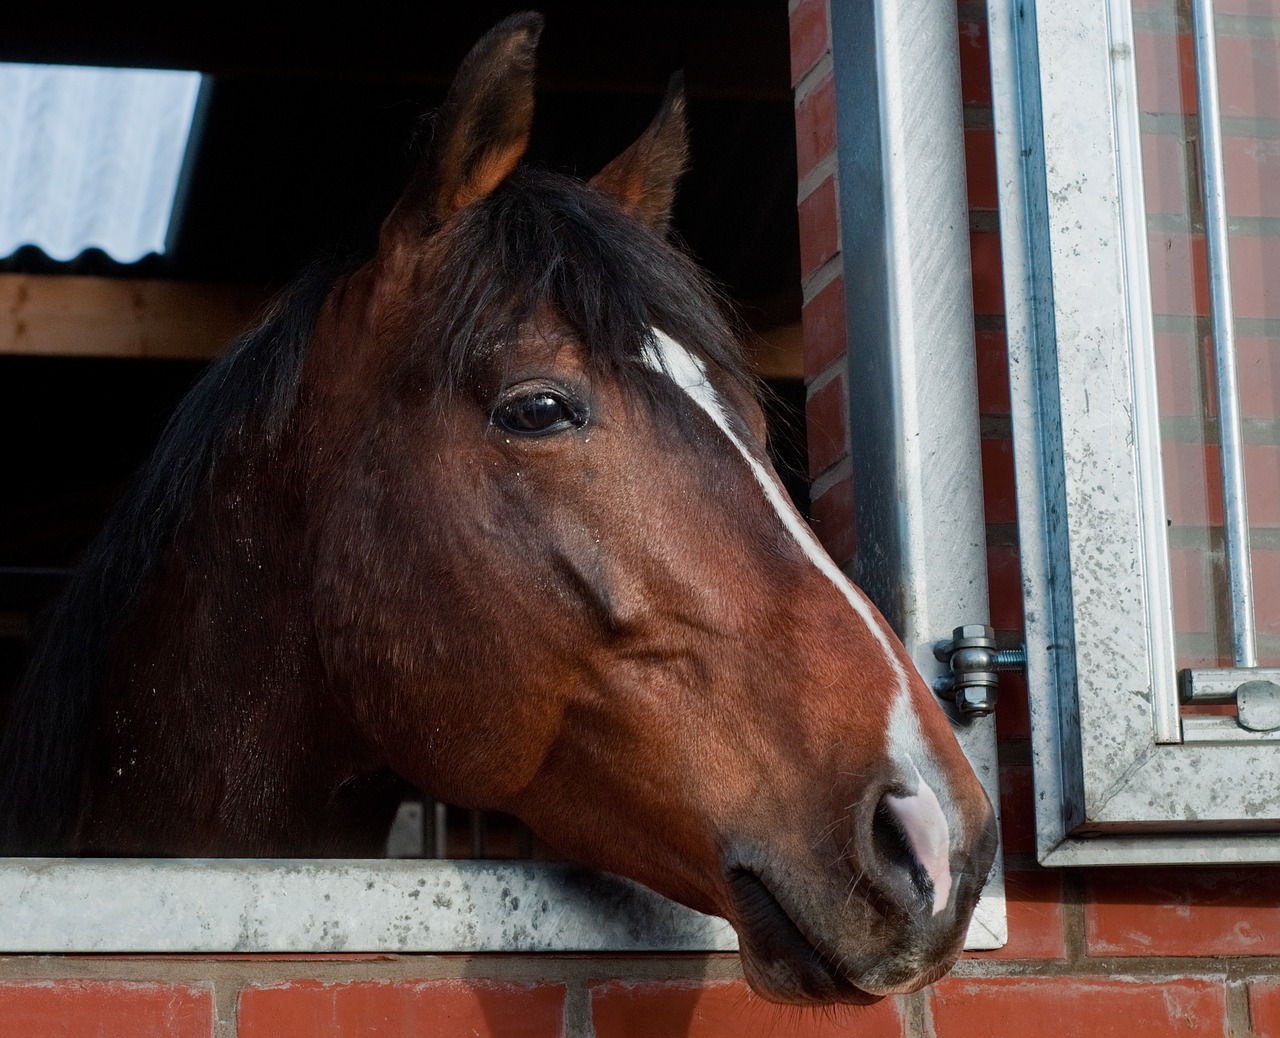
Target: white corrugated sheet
91 157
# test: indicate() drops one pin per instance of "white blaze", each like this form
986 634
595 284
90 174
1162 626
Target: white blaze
688 372
920 814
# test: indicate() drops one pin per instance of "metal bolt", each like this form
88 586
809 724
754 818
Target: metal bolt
973 661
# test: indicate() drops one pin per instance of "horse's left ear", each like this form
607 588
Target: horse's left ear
481 130
643 178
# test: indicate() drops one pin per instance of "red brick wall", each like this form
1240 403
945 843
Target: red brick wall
1129 953
1091 952
1249 83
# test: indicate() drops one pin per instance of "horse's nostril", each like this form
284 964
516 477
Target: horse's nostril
910 831
893 852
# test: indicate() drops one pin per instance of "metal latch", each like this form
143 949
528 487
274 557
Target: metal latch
974 663
1254 690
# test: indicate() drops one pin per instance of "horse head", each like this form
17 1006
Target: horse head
557 575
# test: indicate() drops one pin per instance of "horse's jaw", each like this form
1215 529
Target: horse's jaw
817 932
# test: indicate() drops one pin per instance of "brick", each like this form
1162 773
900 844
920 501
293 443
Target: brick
1017 810
999 498
1258 364
1078 1007
975 62
105 1009
1248 71
1166 72
1254 262
1192 483
1190 579
988 275
1033 900
1177 374
819 227
815 127
823 324
1266 592
827 424
1164 173
1262 480
810 36
1192 475
442 1009
1264 1007
832 521
1183 911
1260 9
993 372
727 1010
1179 275
1004 587
1253 176
980 168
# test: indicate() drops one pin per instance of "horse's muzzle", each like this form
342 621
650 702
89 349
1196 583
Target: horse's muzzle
888 918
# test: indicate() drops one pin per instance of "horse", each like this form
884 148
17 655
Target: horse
492 514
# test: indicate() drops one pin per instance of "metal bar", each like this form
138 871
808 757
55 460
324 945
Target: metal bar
440 831
1231 441
1220 685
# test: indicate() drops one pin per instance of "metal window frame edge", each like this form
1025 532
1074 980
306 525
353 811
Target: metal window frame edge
913 368
1075 794
132 906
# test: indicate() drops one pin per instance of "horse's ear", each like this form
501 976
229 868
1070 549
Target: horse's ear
481 130
643 178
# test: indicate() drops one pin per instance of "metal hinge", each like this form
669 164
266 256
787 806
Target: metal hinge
974 663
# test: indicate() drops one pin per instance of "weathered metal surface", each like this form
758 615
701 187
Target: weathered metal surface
60 905
1113 782
912 376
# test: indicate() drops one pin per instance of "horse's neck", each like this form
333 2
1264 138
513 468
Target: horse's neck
217 733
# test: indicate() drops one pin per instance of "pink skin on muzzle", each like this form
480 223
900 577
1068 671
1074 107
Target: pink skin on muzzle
925 827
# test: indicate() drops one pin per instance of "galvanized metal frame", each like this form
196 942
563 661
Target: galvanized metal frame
1117 779
122 906
912 365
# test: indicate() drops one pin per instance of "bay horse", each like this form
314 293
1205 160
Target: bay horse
492 514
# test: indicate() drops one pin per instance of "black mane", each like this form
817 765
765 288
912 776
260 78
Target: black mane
547 243
252 387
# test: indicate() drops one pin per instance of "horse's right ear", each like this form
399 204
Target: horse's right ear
643 178
481 130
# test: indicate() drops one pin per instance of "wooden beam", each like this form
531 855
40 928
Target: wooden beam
72 316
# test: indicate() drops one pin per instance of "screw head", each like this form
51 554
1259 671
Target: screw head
971 631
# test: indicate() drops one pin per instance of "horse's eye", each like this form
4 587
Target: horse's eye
538 413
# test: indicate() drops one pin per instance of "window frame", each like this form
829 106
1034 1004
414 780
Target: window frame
912 361
320 906
1120 778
